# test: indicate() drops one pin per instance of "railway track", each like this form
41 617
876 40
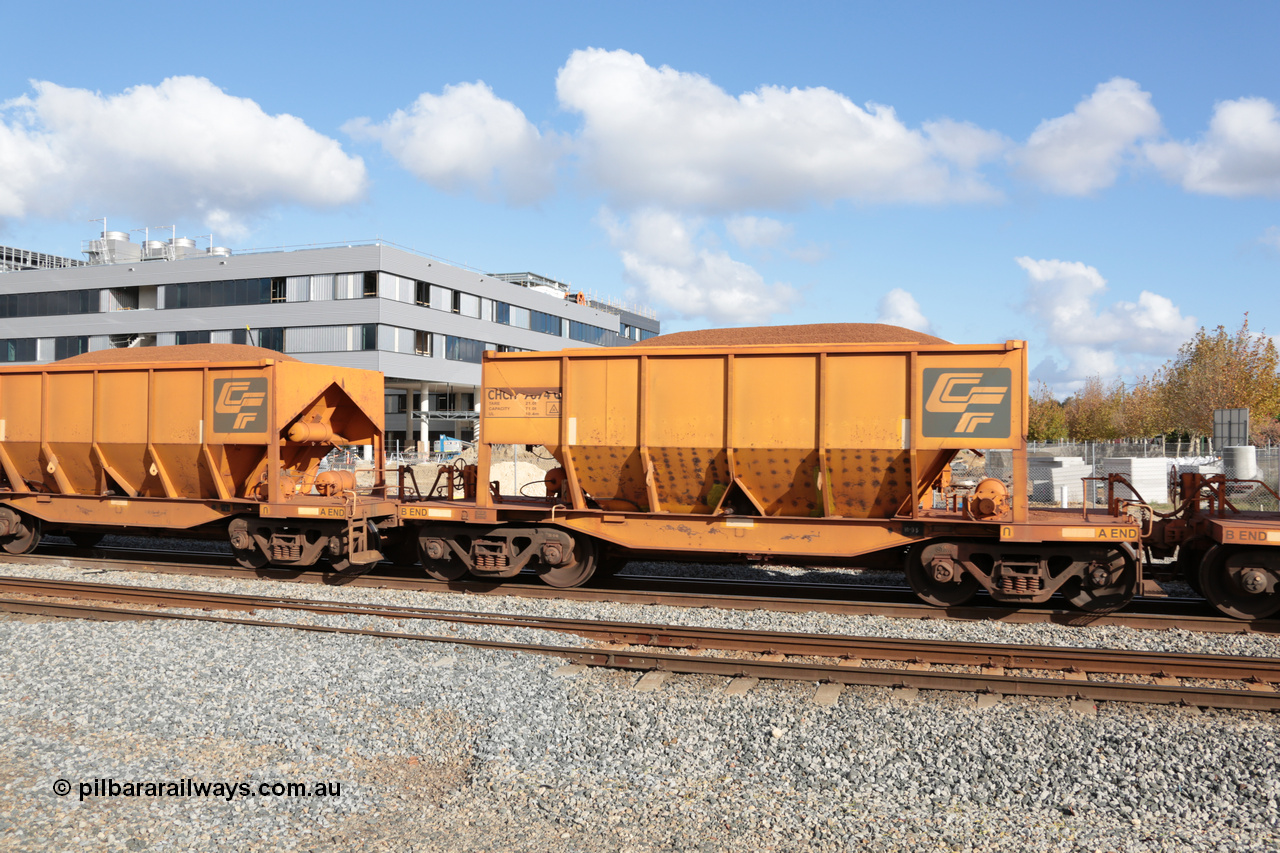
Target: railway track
795 597
1233 682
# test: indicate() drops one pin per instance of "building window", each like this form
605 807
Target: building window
466 304
509 348
395 404
463 349
279 290
548 324
50 304
69 346
422 342
18 349
191 337
270 338
587 334
422 293
217 294
370 285
502 313
368 336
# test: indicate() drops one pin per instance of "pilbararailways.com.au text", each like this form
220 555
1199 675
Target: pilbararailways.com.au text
196 788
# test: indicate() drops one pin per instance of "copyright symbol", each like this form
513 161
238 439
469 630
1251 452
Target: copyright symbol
62 787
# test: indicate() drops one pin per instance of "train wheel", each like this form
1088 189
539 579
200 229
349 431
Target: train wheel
936 576
1105 586
24 534
438 559
444 570
586 556
1241 583
243 546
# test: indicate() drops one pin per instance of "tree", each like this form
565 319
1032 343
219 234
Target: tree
1266 432
1222 370
1093 414
1142 409
1046 420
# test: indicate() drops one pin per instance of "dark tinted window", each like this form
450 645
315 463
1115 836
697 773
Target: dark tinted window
69 346
587 334
18 349
49 304
463 349
548 324
217 294
268 339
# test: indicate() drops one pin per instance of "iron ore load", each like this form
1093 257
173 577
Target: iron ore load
826 445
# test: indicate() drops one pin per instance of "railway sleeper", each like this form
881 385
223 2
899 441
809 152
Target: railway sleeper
949 573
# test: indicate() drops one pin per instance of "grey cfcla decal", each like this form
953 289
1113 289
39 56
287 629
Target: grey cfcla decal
240 405
967 403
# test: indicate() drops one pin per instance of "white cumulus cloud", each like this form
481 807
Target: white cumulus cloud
1239 155
467 138
182 148
1062 299
666 259
758 232
1082 152
658 136
899 308
1271 237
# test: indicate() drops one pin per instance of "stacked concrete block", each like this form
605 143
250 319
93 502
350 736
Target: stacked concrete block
1048 475
1150 477
1198 465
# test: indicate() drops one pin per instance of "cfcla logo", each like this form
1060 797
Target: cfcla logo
238 405
972 402
956 392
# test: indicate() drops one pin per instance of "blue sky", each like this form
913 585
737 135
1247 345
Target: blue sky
1099 179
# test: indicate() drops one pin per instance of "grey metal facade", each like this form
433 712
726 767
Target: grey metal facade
323 307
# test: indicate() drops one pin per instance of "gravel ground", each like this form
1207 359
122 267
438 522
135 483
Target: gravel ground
442 747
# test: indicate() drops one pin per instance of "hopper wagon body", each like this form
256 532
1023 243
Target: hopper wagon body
165 440
821 453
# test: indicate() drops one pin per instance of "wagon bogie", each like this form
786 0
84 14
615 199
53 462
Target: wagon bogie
561 558
949 573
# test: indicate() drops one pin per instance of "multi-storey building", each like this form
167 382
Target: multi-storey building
422 322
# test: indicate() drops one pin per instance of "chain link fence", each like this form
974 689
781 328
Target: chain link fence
1056 471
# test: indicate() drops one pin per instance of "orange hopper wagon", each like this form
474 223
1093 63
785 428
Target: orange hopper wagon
828 444
217 439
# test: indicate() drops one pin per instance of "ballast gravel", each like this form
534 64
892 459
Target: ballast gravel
438 746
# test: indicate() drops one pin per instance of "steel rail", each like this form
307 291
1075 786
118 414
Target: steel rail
678 598
1011 685
939 652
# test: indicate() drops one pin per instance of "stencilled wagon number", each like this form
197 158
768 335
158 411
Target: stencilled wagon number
522 403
